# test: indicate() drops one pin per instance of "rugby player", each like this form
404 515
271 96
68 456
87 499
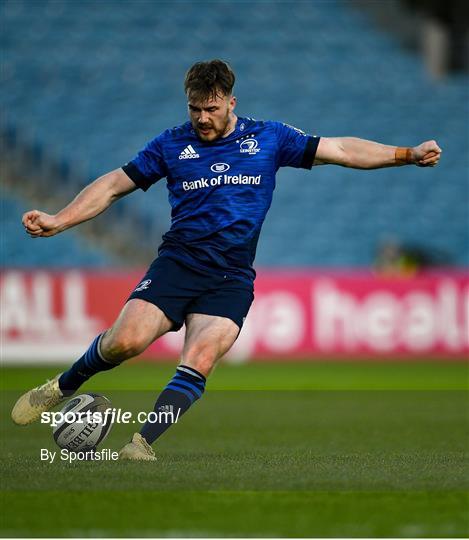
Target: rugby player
220 172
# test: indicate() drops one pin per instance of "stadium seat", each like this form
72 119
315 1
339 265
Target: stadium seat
19 251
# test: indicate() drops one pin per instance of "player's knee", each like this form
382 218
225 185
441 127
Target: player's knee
117 348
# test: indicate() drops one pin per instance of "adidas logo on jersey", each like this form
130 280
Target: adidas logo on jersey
188 153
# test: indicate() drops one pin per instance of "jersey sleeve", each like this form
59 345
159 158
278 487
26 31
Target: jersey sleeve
295 148
148 166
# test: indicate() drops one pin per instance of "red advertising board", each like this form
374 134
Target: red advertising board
52 316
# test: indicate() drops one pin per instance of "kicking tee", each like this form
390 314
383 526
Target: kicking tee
220 191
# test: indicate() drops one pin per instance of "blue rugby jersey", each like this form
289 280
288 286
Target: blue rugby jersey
220 191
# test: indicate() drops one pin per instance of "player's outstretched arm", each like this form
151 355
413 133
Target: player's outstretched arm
90 202
362 154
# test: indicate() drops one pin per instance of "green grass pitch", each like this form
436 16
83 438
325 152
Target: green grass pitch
325 449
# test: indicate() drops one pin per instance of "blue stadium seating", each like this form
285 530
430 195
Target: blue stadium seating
20 251
91 82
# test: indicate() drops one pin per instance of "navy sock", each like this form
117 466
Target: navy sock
84 368
183 389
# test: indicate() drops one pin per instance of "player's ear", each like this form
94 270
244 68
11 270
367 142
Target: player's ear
232 103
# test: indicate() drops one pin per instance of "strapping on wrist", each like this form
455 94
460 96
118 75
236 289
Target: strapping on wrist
403 156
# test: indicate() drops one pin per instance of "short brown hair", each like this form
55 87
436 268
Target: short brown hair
206 80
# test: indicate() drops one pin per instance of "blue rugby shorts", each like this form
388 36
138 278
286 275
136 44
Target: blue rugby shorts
178 290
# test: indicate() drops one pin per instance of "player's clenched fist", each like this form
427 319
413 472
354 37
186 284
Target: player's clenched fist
426 154
39 223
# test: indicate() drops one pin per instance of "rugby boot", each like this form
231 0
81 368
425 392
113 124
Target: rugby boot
29 407
137 450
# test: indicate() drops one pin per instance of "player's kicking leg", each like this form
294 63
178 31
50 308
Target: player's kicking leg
138 325
208 338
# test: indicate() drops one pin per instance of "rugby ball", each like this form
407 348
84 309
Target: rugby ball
78 429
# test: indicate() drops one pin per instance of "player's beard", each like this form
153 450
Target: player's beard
213 131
